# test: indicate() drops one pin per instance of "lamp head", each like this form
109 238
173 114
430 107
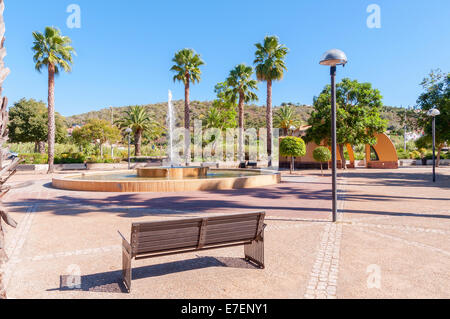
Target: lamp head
128 131
334 57
433 112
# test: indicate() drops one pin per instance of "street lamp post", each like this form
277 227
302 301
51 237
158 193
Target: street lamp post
433 113
332 58
128 131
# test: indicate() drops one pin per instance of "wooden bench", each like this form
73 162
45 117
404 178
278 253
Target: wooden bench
156 239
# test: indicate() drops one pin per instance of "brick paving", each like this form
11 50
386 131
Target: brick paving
394 230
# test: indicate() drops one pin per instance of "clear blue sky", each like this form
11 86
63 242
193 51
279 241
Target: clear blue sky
125 47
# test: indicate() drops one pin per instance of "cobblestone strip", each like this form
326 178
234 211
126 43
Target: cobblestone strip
408 242
14 247
324 275
404 228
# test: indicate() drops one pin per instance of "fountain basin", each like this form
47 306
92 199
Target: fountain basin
129 182
173 172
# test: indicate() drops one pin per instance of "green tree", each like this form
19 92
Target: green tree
285 118
436 95
358 115
294 147
322 155
187 70
28 124
54 52
98 132
225 105
138 119
241 85
270 66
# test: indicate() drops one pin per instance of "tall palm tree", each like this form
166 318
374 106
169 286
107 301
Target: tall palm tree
138 119
241 84
270 66
54 52
286 118
187 69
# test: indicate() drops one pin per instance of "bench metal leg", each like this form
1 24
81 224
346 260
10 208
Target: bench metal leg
255 252
126 265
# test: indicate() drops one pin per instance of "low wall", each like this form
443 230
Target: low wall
38 168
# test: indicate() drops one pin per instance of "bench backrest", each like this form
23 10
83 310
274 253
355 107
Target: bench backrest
195 233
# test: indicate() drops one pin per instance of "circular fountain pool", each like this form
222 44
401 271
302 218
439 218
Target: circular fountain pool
129 181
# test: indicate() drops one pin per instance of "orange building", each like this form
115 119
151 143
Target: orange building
382 155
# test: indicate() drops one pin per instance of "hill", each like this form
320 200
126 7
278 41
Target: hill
254 115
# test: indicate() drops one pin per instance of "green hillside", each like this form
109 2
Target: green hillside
255 115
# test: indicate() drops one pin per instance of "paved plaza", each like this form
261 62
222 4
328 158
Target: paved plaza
392 239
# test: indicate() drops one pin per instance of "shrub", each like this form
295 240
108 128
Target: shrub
34 158
402 154
322 154
70 158
415 155
292 146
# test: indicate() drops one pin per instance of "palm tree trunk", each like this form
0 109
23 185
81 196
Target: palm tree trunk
3 260
241 127
269 121
138 143
51 118
187 122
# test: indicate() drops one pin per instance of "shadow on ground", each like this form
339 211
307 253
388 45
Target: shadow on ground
111 282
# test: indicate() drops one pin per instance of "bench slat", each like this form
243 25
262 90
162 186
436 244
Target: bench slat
175 225
233 225
168 232
159 247
156 242
229 239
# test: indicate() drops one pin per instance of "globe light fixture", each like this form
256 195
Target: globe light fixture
332 58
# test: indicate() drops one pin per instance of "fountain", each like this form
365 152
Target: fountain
172 169
172 177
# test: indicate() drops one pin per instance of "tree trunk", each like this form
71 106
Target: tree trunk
187 122
241 127
101 150
269 119
138 143
321 168
41 146
292 164
3 260
343 161
438 157
51 118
